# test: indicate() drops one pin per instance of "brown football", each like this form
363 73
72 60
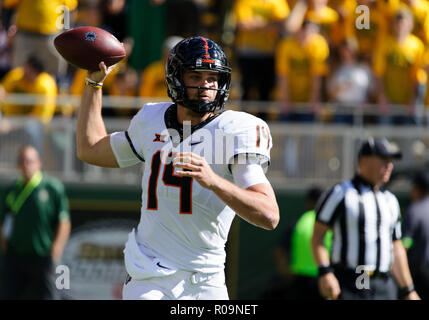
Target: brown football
86 47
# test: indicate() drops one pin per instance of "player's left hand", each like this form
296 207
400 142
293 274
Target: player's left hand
197 168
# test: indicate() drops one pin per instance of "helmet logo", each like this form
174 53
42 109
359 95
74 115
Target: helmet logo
199 62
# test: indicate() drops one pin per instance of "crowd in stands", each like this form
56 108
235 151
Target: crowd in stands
320 60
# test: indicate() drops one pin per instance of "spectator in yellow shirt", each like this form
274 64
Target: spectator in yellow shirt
346 14
301 62
30 79
368 37
38 22
258 26
420 10
320 13
152 82
397 67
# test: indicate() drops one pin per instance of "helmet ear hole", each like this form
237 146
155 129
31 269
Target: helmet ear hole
197 53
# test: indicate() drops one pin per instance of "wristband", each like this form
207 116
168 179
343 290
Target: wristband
92 83
324 269
405 291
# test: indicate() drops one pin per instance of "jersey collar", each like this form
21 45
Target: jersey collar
171 122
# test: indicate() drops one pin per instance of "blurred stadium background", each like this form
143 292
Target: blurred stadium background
105 202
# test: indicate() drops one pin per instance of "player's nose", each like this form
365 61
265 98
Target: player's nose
207 85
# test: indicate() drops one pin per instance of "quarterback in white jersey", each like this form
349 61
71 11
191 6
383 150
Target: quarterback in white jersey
203 165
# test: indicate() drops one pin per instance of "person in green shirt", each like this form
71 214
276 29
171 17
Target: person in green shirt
35 226
294 257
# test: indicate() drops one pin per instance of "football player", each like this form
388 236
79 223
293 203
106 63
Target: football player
194 182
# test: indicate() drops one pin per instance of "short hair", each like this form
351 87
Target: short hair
350 43
36 63
404 12
27 147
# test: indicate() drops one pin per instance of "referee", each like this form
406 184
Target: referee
365 220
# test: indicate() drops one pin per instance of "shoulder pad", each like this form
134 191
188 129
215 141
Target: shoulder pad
251 134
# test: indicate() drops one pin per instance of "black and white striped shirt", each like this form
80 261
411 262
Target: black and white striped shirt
364 224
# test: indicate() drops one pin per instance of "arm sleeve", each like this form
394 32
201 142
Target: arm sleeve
417 72
319 56
396 209
248 140
282 59
47 89
246 175
64 212
328 207
123 149
11 78
61 201
379 60
397 232
125 143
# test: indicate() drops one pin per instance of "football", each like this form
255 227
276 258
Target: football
86 47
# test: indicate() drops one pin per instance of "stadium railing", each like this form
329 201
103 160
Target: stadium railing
304 154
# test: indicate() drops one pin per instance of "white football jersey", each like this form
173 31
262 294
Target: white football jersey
182 223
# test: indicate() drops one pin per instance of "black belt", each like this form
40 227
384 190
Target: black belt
371 274
378 274
128 279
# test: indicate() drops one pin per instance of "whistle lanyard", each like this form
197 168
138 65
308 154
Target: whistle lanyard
15 202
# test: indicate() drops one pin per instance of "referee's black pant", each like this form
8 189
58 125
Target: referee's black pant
382 286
